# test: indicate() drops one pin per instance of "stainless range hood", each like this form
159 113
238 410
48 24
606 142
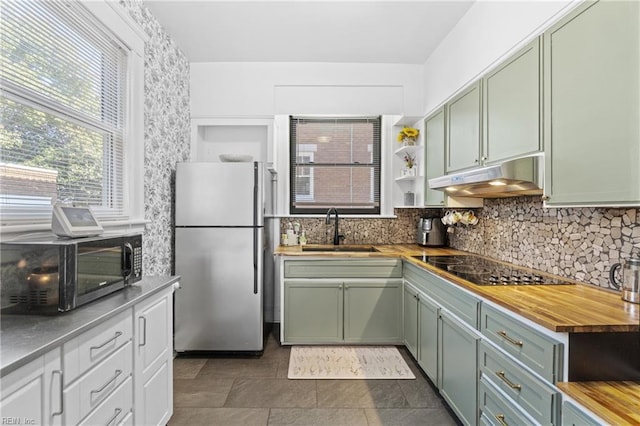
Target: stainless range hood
512 178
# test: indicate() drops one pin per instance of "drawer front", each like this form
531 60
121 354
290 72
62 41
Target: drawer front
540 353
85 394
447 294
116 409
535 396
343 268
88 349
416 276
494 410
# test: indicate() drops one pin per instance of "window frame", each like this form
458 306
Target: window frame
353 211
128 33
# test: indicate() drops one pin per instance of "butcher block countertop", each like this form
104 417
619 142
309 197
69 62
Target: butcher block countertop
617 403
560 308
579 308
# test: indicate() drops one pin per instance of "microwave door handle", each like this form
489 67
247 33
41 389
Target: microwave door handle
127 268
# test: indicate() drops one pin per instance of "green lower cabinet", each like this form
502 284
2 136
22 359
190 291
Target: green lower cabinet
336 311
458 367
313 311
372 311
427 358
573 416
410 319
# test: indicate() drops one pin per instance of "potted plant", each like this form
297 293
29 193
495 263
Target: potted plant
408 135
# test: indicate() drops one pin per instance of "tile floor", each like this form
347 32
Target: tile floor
256 391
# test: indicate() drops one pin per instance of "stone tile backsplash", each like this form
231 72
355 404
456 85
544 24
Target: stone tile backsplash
400 230
576 243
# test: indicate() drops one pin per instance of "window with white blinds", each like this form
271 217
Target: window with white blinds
63 80
335 162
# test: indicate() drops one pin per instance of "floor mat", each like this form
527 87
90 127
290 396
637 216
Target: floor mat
347 362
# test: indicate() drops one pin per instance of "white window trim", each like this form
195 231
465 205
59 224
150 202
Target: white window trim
117 20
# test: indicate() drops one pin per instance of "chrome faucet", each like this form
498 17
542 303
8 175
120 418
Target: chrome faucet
327 220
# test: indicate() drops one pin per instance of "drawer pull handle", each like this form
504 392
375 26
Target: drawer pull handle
95 348
510 339
144 331
503 377
116 413
111 380
59 372
500 419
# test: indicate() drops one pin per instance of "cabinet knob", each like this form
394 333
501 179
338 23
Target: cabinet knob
484 158
545 198
475 161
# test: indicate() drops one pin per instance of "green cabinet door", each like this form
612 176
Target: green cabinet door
592 105
573 416
512 106
410 319
434 140
458 367
427 358
373 311
313 311
463 129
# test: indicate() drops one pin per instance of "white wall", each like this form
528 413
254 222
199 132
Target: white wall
486 34
266 89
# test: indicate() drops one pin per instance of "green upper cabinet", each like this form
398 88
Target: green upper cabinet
591 106
512 106
434 139
463 129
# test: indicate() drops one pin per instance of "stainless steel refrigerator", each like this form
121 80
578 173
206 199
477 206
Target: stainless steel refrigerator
219 255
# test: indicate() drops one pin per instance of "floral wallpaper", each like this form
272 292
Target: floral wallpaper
166 135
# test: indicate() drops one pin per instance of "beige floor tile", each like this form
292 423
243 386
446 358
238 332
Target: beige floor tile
360 394
409 417
318 417
201 392
239 368
272 393
220 416
187 368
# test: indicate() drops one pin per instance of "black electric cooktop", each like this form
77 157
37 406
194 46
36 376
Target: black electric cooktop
483 271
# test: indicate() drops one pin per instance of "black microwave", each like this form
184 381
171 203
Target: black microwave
58 275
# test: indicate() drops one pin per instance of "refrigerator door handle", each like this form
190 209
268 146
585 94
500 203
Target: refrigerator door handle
256 187
255 260
255 229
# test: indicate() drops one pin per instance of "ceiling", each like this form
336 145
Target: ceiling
362 31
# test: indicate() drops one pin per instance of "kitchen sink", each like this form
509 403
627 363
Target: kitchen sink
368 249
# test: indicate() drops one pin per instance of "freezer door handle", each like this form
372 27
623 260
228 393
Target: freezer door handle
256 187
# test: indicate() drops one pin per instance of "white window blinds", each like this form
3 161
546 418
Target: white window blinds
335 162
63 79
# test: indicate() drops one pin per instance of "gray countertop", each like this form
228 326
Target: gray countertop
26 337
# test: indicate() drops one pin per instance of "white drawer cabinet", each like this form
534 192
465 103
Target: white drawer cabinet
116 409
88 349
92 388
111 365
32 394
153 359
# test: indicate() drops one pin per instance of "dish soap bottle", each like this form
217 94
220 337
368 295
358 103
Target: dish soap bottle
303 239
